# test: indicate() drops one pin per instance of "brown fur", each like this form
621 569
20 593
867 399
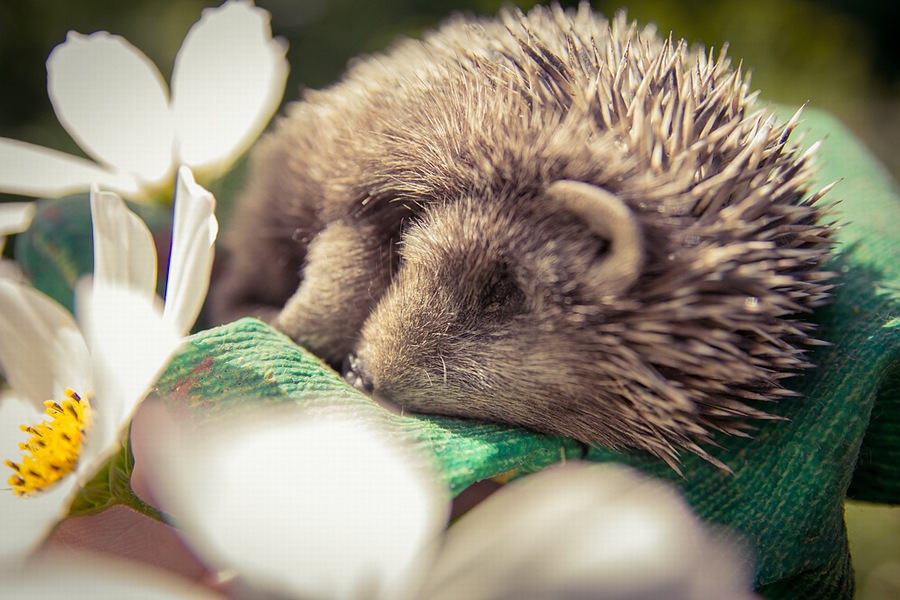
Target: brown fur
548 220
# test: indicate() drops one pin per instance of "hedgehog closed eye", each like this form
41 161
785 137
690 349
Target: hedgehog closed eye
502 296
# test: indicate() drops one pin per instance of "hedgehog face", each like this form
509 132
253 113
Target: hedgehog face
471 317
505 309
557 312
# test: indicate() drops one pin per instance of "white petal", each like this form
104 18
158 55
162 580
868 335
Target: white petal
15 217
113 101
569 531
130 346
31 170
228 80
124 251
26 521
64 576
42 351
194 232
306 507
9 269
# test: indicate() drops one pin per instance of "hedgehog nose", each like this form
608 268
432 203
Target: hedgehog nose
355 373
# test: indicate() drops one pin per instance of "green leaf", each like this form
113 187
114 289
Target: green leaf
110 486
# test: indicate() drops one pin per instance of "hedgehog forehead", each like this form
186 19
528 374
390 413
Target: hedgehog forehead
478 232
470 248
452 242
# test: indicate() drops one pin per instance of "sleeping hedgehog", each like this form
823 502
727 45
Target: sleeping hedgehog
550 220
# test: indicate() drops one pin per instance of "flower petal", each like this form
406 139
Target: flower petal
124 251
228 80
15 217
9 269
130 346
305 505
569 531
41 350
113 101
194 232
26 521
31 170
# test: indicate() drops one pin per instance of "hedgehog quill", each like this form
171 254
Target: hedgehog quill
551 220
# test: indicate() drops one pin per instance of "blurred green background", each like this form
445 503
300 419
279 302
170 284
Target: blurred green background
838 55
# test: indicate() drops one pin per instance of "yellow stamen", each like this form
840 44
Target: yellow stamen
52 451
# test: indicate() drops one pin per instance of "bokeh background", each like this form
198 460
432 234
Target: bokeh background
838 55
834 54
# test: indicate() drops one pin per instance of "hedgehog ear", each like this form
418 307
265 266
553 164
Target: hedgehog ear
611 219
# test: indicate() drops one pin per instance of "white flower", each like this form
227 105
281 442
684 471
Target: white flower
228 80
328 507
299 505
584 530
96 370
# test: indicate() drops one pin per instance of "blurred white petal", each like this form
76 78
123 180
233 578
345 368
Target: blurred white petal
571 531
62 576
130 346
124 251
228 80
26 521
194 232
31 170
305 506
9 269
113 101
15 217
41 350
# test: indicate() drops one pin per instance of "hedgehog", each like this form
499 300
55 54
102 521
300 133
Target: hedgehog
551 220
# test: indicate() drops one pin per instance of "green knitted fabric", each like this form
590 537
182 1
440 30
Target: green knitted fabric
789 484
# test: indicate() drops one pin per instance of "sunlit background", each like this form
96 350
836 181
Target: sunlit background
838 55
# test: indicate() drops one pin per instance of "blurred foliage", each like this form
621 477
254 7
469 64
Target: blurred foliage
838 55
875 548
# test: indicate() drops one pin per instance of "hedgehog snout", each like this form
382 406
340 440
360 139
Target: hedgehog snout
355 373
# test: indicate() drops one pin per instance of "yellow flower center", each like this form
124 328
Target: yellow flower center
52 451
